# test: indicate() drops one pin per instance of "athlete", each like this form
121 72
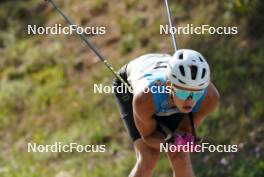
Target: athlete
166 91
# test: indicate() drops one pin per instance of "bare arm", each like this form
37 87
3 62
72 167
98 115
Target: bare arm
208 106
144 109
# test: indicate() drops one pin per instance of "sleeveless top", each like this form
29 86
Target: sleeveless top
152 67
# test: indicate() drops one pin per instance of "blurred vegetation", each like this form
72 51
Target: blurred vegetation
46 87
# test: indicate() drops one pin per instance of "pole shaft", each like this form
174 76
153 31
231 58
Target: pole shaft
91 46
174 41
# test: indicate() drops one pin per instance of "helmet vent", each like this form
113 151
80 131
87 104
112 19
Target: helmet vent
181 81
203 73
182 70
194 70
174 76
201 59
181 56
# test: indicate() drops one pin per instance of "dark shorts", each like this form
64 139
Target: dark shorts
124 101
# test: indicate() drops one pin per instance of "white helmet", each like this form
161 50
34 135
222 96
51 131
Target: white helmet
188 69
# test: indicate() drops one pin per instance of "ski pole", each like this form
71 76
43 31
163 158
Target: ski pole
91 45
170 24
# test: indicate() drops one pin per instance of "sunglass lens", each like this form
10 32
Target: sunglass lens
198 95
181 94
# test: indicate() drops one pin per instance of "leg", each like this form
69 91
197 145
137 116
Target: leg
147 159
181 164
146 156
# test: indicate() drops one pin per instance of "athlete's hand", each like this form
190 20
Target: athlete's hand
180 139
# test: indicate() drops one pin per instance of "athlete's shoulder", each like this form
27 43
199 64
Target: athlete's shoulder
213 95
143 102
211 100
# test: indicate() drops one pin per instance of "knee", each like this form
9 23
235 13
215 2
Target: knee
148 160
